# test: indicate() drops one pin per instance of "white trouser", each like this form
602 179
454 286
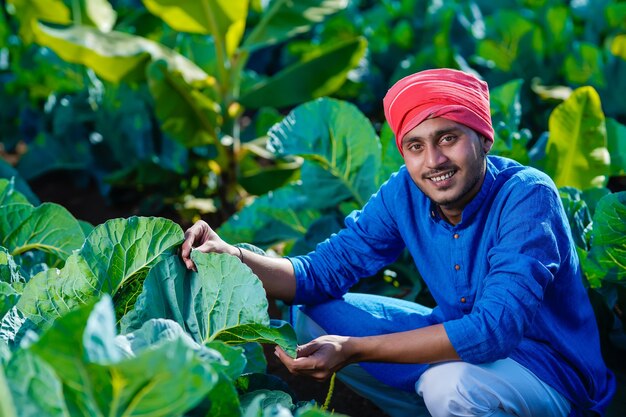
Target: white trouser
501 388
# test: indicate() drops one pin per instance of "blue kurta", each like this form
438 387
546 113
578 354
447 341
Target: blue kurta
506 279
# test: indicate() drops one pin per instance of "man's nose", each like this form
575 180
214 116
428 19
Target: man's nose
435 157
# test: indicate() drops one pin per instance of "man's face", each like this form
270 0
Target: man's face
446 160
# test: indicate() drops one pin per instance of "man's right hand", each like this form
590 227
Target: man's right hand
201 237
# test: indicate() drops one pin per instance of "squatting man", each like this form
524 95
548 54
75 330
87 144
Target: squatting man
513 332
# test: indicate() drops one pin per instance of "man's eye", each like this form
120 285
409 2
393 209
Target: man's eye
448 139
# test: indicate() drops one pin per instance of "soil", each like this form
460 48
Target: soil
86 203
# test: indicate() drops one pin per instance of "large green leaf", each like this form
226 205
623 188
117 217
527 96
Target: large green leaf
121 249
275 217
113 56
35 388
340 146
224 298
185 113
166 379
576 153
114 256
225 20
48 228
283 19
616 141
607 258
318 75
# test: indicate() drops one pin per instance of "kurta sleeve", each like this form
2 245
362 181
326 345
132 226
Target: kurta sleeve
369 241
532 241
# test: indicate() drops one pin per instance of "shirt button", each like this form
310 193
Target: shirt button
456 236
457 267
432 213
463 300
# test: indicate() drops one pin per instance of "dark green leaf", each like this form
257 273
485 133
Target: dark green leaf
340 146
318 75
283 19
607 258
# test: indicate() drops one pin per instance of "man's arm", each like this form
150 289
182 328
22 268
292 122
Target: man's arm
276 274
327 354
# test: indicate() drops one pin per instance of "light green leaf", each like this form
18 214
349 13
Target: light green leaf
584 65
113 56
8 193
225 20
167 379
188 115
283 19
53 293
576 153
616 141
49 228
35 388
607 258
340 146
269 400
7 408
502 46
98 13
319 75
221 296
114 256
30 11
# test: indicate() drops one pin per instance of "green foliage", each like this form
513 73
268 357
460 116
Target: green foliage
576 151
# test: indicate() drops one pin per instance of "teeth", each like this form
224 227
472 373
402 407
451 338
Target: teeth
442 177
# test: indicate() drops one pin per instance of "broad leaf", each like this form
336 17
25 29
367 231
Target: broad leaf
113 56
48 228
114 256
275 217
576 151
189 116
11 282
318 75
225 20
607 258
35 388
340 146
166 379
221 296
122 249
283 19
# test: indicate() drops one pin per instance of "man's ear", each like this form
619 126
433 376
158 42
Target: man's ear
486 143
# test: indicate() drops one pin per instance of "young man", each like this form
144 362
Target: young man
513 332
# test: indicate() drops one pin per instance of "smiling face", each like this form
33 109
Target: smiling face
447 161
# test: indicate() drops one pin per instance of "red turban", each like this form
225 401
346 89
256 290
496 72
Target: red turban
447 93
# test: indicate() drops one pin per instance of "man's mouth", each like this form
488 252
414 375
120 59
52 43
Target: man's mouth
442 177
